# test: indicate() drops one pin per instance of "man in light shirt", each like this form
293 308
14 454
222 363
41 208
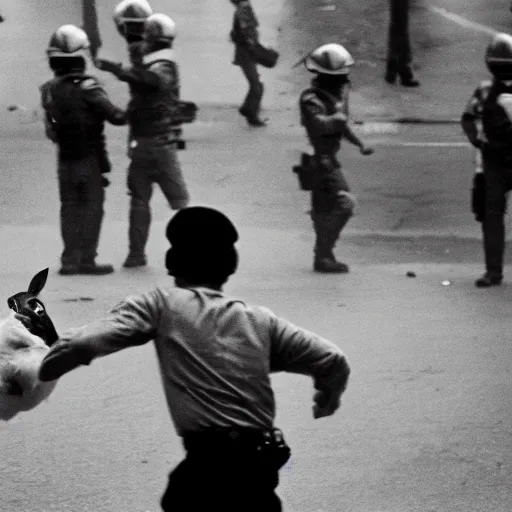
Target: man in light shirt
216 354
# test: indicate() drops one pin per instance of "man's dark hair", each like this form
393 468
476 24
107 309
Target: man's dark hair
202 246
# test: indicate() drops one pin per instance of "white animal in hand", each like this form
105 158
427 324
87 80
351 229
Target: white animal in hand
22 351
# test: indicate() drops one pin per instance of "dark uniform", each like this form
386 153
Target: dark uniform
154 89
243 34
216 354
325 117
76 108
496 149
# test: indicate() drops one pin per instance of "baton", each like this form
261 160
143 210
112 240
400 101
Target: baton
90 25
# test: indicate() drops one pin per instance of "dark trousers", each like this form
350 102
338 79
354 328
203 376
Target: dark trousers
329 213
252 101
498 181
153 160
81 213
399 45
223 481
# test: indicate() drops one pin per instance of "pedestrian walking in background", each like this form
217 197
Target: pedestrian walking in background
152 110
324 115
399 45
216 354
244 34
76 108
491 105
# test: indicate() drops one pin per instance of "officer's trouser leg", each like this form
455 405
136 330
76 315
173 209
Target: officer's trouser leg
493 228
170 177
252 102
328 227
93 196
71 212
498 181
399 45
141 175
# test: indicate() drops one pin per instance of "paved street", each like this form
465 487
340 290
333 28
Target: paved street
425 424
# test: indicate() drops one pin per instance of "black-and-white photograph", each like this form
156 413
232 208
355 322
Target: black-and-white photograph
285 222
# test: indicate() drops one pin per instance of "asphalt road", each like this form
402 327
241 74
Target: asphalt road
425 424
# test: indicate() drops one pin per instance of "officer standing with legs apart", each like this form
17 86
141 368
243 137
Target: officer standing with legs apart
324 114
76 108
491 104
216 354
154 86
244 34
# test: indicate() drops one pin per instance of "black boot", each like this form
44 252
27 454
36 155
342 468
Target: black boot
330 266
488 280
70 220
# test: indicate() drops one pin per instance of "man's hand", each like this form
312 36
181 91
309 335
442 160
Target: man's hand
108 65
62 358
326 404
365 150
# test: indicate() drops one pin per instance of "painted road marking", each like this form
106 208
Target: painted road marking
429 144
460 20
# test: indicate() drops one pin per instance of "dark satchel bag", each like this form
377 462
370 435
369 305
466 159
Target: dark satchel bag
306 172
266 57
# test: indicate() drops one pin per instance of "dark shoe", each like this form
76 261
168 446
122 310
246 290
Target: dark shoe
95 269
332 266
135 261
488 280
69 270
252 119
409 82
256 121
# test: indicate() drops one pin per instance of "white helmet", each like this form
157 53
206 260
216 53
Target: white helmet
68 41
159 27
498 56
130 15
329 59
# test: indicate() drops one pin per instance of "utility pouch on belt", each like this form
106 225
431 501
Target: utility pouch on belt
275 448
306 172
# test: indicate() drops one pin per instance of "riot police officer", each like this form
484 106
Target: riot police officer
324 114
491 106
216 354
243 35
154 104
76 108
129 17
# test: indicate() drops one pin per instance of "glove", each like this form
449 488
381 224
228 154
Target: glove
108 65
105 182
326 404
62 358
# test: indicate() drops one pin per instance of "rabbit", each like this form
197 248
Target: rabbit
23 346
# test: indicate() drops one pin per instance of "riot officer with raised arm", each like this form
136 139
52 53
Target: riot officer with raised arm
152 113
